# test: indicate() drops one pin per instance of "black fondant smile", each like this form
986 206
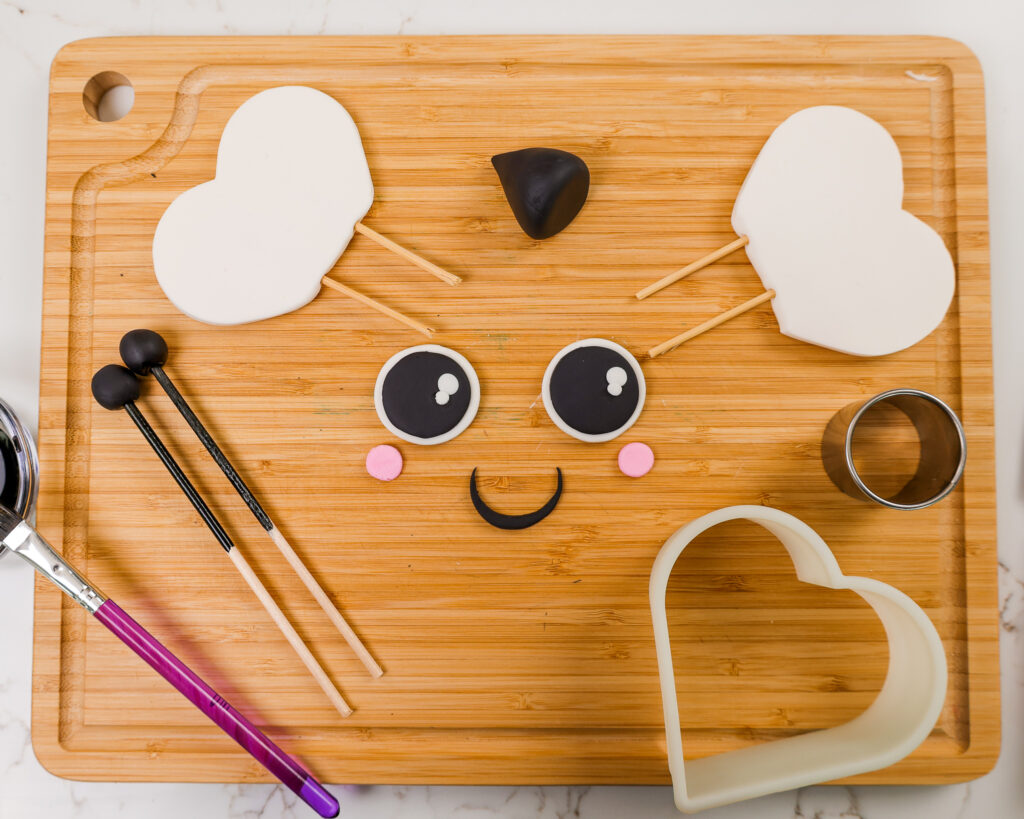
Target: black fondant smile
513 521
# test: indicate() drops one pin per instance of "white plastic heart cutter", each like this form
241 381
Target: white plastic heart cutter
899 719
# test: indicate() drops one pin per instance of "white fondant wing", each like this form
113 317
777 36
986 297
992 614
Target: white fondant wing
822 207
292 181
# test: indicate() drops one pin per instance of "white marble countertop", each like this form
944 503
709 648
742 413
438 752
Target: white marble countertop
31 31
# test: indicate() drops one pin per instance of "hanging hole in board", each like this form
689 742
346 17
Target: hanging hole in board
108 96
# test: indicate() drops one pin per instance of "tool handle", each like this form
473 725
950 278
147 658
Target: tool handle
179 477
192 687
211 446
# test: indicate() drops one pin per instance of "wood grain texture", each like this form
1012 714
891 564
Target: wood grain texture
523 657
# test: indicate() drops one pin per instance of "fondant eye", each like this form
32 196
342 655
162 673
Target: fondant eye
594 389
427 394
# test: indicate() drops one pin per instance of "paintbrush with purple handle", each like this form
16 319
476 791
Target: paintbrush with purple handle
21 539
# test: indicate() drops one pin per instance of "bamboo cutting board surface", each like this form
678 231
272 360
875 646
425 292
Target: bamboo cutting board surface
510 657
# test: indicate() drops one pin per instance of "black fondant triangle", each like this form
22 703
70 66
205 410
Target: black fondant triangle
546 188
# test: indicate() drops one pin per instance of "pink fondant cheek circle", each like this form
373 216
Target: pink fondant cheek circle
384 462
636 459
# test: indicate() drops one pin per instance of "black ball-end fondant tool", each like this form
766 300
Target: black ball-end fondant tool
115 387
145 352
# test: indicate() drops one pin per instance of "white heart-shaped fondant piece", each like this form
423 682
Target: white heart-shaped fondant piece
899 719
822 207
255 241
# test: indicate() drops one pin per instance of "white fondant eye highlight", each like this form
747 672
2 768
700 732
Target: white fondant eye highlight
447 386
616 377
448 383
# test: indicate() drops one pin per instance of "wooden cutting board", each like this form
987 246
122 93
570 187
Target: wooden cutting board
511 657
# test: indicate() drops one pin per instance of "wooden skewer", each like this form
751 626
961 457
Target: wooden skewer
376 305
693 267
325 603
672 343
408 255
145 352
289 632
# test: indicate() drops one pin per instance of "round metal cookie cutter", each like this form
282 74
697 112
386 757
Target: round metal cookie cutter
943 449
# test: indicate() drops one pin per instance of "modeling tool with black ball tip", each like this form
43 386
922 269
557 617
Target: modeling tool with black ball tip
115 387
145 352
502 521
545 187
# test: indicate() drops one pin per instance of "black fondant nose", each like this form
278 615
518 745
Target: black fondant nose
545 187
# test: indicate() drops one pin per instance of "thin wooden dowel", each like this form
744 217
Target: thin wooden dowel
672 343
289 632
693 267
376 305
325 602
408 255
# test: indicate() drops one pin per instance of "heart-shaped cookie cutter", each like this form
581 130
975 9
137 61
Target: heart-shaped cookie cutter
899 719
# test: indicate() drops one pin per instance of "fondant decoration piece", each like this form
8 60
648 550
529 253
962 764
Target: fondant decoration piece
616 379
145 352
427 394
594 389
636 459
545 187
255 241
821 215
384 462
291 187
823 209
900 718
513 522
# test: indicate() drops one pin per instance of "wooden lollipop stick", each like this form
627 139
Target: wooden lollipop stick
376 305
407 254
672 343
289 632
693 267
325 603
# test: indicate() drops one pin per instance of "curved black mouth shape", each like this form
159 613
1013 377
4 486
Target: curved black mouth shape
501 521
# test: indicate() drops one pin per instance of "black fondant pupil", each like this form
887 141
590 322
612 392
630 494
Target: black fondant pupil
579 391
409 395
